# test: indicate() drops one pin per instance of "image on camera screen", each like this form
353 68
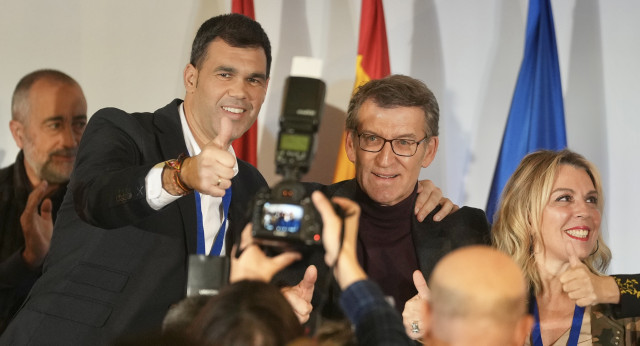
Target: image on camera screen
282 217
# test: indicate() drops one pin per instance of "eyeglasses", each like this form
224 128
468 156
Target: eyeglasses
400 146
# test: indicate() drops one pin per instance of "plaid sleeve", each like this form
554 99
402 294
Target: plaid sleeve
376 322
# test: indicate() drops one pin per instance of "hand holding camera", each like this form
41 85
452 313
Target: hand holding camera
340 235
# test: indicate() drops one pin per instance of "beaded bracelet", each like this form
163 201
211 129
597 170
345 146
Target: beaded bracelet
176 166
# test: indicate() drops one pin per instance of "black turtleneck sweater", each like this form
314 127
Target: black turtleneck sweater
385 246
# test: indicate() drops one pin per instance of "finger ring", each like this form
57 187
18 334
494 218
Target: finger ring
414 327
219 182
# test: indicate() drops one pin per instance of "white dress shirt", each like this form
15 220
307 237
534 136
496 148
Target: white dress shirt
211 207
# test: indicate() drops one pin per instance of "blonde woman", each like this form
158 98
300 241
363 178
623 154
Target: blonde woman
549 222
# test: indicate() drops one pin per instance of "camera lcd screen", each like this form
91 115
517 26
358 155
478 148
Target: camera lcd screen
294 142
278 217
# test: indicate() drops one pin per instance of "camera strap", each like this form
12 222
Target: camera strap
216 249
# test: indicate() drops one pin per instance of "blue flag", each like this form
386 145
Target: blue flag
536 117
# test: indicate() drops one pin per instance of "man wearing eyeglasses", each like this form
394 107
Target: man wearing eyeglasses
393 125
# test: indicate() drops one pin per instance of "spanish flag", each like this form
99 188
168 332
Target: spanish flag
246 147
372 63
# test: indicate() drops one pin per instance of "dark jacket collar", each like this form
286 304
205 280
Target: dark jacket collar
169 134
427 235
170 139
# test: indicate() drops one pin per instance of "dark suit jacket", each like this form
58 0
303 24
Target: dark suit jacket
433 240
115 264
16 278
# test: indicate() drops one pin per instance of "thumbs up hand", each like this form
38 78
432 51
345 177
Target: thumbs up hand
299 296
210 172
414 309
585 287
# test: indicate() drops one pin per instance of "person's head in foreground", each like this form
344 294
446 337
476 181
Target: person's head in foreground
478 297
246 313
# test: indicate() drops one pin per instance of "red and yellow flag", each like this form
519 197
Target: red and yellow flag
372 63
246 147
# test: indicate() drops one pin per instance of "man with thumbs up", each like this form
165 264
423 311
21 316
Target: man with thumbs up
393 134
142 184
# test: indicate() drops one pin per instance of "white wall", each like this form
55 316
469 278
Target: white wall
130 54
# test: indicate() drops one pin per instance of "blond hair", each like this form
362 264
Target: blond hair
523 200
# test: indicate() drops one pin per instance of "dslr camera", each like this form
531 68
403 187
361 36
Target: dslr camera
284 215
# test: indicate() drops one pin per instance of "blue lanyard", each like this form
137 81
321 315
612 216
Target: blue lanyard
216 249
574 334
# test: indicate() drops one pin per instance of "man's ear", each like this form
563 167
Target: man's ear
430 154
523 329
17 131
349 145
190 78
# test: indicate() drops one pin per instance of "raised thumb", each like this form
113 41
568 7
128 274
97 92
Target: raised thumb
223 139
421 285
574 260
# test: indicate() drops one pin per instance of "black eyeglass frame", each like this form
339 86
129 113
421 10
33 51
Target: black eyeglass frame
417 143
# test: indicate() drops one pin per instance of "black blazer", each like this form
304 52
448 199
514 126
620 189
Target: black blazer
432 240
116 265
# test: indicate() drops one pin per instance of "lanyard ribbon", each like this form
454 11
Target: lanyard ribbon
216 249
574 334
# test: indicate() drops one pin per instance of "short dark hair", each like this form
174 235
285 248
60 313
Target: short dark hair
236 30
180 315
243 312
396 91
19 104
